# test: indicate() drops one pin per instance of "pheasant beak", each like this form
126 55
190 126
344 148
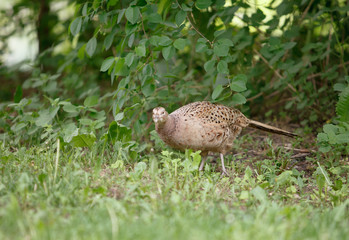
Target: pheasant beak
157 118
159 115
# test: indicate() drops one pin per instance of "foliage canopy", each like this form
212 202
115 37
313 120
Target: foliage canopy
287 59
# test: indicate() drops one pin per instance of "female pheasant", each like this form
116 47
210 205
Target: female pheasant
205 126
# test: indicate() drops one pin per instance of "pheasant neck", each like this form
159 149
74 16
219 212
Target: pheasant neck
166 126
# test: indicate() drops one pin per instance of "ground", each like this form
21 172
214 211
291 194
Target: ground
273 192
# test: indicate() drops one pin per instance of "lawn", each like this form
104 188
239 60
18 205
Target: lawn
272 193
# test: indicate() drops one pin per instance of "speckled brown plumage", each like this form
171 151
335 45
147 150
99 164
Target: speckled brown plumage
205 126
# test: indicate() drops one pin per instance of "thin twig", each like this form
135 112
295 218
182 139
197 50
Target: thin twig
319 74
305 12
146 36
142 65
340 47
329 45
299 23
271 67
282 101
254 97
268 64
292 39
300 150
272 94
300 155
57 159
193 26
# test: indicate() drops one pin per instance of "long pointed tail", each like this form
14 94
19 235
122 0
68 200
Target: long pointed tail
268 128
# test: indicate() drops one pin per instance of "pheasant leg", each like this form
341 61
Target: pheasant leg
202 163
224 171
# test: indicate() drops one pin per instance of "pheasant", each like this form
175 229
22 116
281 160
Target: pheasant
205 126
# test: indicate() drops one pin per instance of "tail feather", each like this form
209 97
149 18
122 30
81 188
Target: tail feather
268 128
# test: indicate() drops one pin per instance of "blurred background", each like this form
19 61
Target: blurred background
92 63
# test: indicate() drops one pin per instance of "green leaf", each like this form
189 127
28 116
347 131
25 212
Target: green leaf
168 52
147 70
84 9
180 43
186 8
112 3
339 87
140 167
203 4
121 14
289 45
154 18
141 50
221 50
108 40
131 40
321 171
148 89
91 46
154 40
164 41
217 91
119 132
285 178
330 129
119 116
83 140
180 17
129 59
343 138
244 195
284 8
259 193
69 131
257 17
70 108
222 67
209 65
81 52
107 63
238 83
85 121
332 138
132 14
18 94
18 126
218 33
342 107
117 68
75 26
225 42
201 45
91 101
238 99
119 64
102 17
46 116
325 149
322 137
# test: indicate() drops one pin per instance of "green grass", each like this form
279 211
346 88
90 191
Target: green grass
164 197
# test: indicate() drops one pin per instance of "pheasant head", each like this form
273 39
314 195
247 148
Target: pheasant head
159 115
